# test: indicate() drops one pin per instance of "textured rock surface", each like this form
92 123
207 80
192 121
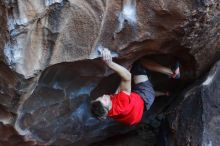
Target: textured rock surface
196 119
43 33
43 96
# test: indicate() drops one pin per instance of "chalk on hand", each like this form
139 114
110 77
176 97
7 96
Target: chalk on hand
98 52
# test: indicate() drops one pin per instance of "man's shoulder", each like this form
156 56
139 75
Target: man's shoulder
122 93
120 96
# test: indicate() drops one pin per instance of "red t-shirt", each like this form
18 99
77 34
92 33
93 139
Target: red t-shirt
127 109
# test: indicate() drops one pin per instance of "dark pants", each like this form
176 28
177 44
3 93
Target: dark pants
144 89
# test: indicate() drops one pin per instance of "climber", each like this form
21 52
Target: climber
128 103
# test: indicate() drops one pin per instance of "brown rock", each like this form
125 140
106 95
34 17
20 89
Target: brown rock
37 38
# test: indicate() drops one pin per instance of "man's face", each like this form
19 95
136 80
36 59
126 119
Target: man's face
105 100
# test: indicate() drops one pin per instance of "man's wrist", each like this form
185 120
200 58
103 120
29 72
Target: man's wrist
110 63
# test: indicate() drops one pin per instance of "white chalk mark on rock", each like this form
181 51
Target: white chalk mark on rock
13 53
209 144
50 2
208 80
21 131
22 21
57 86
11 23
128 13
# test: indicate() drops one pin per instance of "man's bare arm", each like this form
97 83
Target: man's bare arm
123 72
153 66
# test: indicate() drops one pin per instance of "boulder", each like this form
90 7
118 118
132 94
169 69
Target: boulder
195 119
49 65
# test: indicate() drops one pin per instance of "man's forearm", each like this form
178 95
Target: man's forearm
122 71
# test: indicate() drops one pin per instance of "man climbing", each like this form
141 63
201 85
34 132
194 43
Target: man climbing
128 104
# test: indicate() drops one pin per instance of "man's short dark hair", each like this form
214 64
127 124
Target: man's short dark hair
98 109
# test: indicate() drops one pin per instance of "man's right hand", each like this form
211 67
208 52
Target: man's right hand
122 71
106 56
